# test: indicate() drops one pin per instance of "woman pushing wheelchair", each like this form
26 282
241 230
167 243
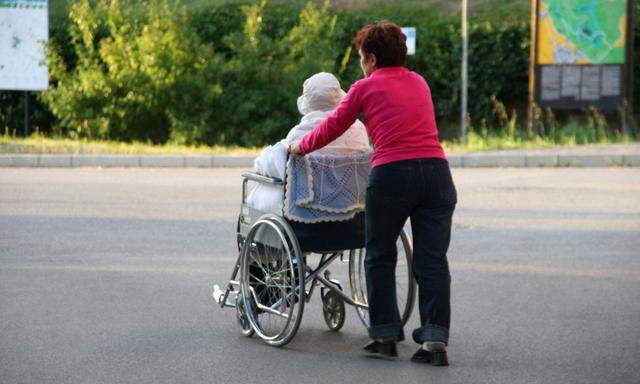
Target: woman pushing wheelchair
410 178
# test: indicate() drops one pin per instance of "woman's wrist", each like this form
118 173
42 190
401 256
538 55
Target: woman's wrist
295 147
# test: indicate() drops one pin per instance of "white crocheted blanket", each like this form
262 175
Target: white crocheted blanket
326 188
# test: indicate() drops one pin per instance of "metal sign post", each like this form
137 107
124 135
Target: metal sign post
532 66
627 112
26 113
465 54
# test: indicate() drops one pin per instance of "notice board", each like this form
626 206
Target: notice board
582 53
24 31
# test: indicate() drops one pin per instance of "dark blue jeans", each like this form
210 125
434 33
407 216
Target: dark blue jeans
423 190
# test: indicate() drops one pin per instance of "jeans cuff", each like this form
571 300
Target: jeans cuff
387 331
431 332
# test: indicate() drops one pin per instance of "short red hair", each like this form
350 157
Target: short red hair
386 41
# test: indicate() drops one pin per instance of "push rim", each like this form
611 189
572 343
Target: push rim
405 282
272 282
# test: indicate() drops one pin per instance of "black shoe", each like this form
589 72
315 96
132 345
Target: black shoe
384 349
437 358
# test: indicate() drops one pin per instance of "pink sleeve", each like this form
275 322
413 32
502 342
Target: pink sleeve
335 124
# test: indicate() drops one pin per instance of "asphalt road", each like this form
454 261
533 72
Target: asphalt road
106 274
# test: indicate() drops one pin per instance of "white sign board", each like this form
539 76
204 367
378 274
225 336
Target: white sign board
410 32
24 30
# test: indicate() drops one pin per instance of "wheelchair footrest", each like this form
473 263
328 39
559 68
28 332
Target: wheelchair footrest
218 295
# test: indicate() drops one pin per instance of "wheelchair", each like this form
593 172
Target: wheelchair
273 277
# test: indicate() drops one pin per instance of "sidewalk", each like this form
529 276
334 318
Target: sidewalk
584 156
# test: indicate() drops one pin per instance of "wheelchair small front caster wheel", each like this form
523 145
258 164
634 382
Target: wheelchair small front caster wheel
333 310
242 319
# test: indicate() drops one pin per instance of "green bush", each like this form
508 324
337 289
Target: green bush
147 71
263 75
149 78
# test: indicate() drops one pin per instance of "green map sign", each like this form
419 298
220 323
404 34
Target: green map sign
581 52
582 31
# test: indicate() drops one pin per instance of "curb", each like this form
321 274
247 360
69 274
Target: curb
470 160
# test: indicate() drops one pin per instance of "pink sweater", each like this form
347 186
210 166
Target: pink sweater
398 114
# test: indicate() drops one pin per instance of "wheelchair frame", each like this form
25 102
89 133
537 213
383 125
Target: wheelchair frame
333 296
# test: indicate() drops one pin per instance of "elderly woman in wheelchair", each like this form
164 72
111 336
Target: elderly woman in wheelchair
302 214
321 94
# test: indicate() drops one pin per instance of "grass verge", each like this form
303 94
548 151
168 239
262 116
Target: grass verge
475 143
42 144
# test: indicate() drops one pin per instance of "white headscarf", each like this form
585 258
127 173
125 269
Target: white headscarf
320 92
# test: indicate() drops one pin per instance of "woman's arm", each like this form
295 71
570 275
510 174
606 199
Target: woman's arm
334 125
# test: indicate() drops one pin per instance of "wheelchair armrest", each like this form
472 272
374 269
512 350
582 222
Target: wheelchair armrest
262 179
258 179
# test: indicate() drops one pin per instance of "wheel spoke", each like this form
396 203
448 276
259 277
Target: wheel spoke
257 279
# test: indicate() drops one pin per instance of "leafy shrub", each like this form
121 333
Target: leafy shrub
149 78
264 73
244 93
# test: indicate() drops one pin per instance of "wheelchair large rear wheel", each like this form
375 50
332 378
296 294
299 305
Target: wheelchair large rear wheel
272 280
405 282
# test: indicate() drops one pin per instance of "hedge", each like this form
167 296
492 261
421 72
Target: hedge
246 67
